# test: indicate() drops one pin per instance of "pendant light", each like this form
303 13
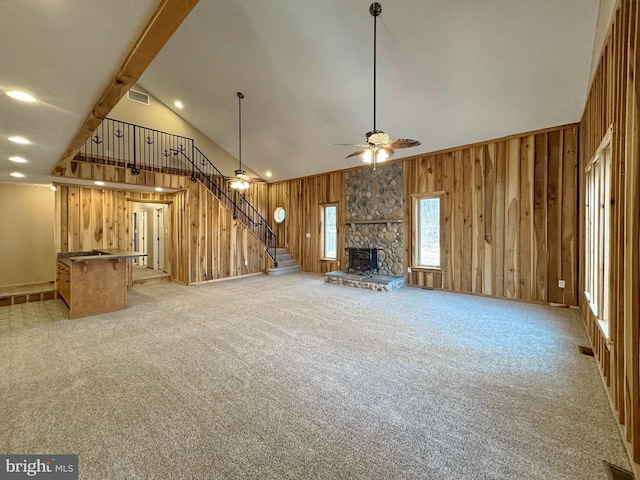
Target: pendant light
241 180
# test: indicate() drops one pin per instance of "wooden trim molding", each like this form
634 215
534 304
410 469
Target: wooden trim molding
161 26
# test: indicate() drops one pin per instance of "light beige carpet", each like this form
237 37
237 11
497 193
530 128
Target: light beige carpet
290 378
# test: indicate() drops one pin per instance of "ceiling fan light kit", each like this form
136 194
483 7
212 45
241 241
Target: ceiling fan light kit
379 146
241 180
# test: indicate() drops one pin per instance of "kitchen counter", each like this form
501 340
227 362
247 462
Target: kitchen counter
99 254
94 281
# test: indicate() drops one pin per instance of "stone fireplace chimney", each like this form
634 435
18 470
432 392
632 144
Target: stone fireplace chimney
374 214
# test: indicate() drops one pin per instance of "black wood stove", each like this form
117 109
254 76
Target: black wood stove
364 260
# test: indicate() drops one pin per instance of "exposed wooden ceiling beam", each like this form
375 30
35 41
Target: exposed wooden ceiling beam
161 26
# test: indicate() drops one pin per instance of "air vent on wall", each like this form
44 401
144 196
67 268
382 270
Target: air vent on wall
138 97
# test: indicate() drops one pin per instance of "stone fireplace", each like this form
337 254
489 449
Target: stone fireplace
374 213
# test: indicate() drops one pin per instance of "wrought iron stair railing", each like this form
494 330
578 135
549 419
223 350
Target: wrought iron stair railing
140 148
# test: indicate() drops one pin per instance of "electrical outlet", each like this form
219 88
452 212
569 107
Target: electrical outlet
246 262
308 235
408 269
561 283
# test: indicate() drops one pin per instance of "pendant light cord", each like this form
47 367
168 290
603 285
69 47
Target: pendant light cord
240 97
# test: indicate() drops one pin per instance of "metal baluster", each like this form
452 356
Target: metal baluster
135 170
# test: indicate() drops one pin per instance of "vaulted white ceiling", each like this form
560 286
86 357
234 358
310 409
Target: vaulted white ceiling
63 52
449 73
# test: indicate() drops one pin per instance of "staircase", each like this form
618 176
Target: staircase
286 264
144 149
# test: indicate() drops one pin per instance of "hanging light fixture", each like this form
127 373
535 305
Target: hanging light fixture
379 146
241 180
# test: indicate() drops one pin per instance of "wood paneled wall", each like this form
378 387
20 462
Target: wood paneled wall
205 242
97 218
302 200
614 100
220 247
111 173
509 218
94 218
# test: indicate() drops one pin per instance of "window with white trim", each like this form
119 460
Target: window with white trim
329 231
427 228
598 232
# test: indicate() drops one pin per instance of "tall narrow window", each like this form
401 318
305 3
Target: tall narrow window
428 231
329 232
598 232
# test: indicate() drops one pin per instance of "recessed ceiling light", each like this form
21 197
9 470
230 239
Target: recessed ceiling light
267 174
178 104
17 174
22 96
19 140
158 189
17 159
98 182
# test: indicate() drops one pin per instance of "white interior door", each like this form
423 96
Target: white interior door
139 237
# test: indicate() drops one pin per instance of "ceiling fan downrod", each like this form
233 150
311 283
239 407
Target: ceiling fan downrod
375 9
379 146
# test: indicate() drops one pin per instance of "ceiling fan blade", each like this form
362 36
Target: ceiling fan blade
355 154
352 145
403 143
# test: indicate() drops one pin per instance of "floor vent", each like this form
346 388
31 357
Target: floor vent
585 350
617 473
139 97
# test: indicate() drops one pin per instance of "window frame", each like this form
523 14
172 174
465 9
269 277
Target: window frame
323 218
439 195
597 232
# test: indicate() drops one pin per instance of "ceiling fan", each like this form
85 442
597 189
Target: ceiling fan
379 146
243 181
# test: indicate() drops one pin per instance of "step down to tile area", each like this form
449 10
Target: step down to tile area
36 292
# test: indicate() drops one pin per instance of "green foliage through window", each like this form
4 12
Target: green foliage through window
429 232
330 232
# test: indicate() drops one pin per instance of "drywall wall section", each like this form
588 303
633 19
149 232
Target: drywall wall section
27 215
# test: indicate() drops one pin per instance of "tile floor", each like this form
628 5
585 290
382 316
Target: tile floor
15 317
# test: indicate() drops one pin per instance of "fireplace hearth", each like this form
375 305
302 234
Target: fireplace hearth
380 283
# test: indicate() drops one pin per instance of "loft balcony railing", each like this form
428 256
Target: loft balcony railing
140 148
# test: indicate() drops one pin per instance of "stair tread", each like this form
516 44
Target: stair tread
286 263
283 270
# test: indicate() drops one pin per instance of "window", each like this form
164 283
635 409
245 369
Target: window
329 232
598 232
279 214
428 231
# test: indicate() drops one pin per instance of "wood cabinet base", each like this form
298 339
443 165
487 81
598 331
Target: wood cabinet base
94 286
